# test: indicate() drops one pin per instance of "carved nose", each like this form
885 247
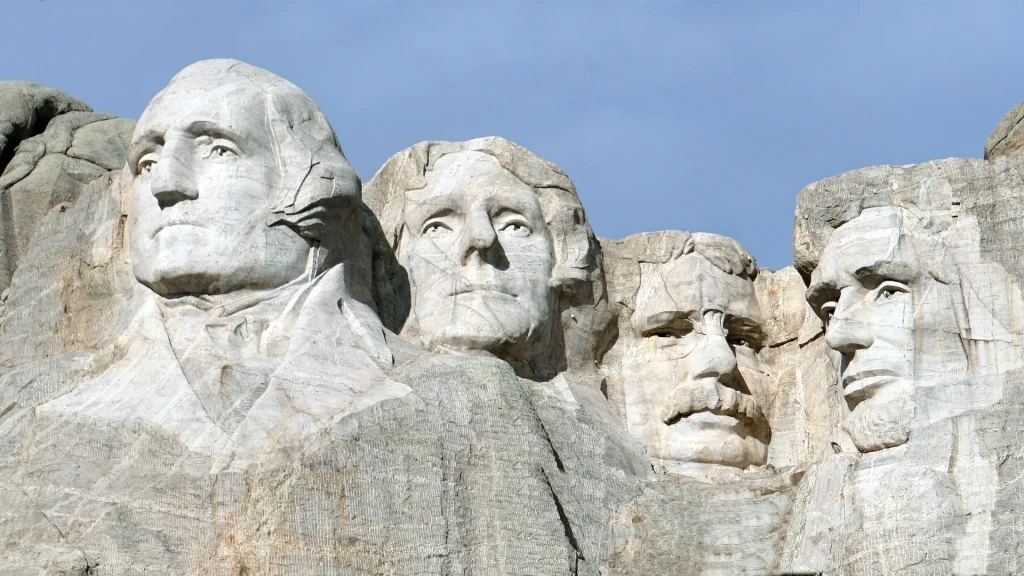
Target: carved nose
479 236
847 335
713 357
173 176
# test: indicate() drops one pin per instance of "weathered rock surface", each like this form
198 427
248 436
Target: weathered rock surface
1007 137
219 355
51 146
916 271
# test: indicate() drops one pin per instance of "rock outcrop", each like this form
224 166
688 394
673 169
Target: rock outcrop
221 354
51 146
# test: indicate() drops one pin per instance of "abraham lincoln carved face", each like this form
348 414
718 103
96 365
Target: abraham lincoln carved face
888 317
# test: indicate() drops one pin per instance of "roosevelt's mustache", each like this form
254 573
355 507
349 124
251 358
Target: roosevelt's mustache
693 397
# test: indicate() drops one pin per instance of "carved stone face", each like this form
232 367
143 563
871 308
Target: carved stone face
891 322
205 176
479 258
691 369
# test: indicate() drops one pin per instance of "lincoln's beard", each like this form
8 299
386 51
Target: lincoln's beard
883 425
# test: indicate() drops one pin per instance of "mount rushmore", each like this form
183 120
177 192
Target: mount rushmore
223 353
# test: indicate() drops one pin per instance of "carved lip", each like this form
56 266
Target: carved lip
466 287
173 222
732 413
863 381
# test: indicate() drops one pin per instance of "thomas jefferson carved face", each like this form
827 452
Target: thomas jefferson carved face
891 322
479 258
691 368
205 175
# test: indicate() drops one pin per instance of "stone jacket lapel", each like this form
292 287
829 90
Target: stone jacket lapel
334 365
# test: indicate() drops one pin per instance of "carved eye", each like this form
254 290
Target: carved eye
516 228
435 229
827 310
146 164
740 343
890 289
674 331
222 151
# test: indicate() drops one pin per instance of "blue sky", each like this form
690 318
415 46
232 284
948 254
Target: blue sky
701 116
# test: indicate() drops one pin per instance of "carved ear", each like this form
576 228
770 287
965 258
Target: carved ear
317 182
574 246
325 187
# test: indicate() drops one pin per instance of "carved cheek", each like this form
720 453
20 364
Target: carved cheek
893 321
431 256
752 370
660 376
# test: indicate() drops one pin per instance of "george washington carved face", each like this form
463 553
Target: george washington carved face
205 177
238 182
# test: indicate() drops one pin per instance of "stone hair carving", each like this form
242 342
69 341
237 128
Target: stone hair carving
685 368
471 224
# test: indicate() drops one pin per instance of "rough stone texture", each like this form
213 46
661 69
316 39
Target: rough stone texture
680 526
51 146
915 271
1008 136
224 357
803 402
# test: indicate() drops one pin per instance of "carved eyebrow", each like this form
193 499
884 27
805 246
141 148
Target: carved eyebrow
506 210
882 270
522 204
745 327
439 213
819 293
206 128
668 318
142 145
418 214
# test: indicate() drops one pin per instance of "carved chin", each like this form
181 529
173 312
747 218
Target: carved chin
496 323
876 427
480 334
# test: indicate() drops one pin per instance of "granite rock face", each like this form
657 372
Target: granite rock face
51 146
220 353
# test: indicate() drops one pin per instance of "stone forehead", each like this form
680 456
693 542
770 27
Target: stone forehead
386 193
931 189
225 71
877 237
625 257
216 74
450 172
690 280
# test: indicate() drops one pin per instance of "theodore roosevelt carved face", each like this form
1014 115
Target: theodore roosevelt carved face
479 257
690 371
